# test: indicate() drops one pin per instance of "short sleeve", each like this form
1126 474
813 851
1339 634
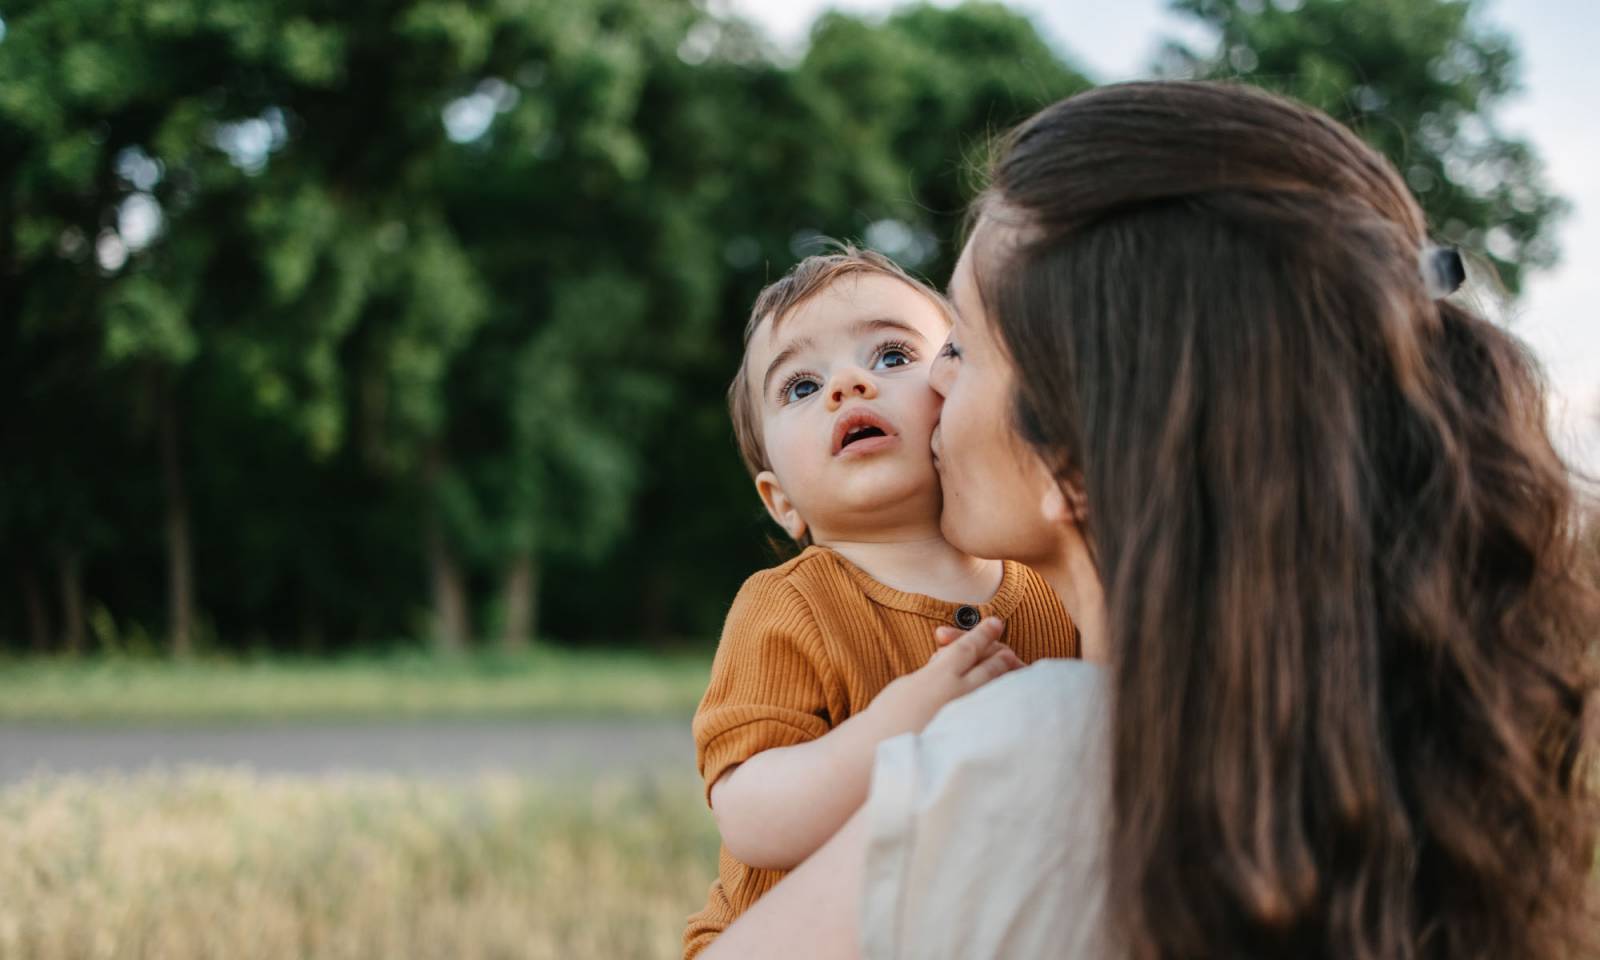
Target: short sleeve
768 683
985 832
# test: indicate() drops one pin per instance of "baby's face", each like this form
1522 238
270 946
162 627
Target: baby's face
846 410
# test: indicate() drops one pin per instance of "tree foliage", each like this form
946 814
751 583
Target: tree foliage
1418 79
331 324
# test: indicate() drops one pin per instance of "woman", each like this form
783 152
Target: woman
1307 517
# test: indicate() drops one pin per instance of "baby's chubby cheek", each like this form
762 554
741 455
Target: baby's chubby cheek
923 410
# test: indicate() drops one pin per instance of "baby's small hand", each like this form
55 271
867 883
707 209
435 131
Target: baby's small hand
986 635
964 662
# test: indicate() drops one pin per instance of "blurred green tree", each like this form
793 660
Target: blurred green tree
331 324
604 266
66 219
237 215
292 166
1418 79
917 98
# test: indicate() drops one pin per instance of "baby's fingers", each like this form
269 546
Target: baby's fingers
1004 655
944 636
967 650
997 664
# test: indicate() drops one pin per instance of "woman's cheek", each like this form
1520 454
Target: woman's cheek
958 438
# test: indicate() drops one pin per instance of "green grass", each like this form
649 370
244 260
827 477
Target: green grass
207 864
543 681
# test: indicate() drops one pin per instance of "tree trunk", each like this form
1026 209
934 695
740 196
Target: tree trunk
520 603
653 613
34 605
180 564
72 624
452 626
452 623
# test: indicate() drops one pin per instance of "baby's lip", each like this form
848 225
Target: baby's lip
858 418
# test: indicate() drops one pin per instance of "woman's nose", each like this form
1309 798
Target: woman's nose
850 382
940 374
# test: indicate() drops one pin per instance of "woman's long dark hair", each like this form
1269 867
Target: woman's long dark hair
1351 656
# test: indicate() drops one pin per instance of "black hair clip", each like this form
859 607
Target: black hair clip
1443 271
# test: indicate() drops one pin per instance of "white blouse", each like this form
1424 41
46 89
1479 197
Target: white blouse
986 831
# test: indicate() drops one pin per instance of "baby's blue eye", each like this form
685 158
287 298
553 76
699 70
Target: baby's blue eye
893 357
799 390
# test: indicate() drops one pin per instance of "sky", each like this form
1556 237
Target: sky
1556 40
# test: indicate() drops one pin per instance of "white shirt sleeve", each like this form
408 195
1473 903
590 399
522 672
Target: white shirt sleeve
986 830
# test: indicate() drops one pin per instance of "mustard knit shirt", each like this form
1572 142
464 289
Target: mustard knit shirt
808 644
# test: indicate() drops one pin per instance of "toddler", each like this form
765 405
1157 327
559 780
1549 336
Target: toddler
826 655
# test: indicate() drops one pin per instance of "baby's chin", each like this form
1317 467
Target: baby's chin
906 491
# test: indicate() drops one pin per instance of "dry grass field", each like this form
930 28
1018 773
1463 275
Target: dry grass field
228 865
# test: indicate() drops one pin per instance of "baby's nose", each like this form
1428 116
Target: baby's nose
851 383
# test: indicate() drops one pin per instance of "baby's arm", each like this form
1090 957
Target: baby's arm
779 806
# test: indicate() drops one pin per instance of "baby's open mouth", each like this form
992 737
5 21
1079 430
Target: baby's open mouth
861 433
858 426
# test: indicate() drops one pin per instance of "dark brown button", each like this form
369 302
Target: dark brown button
968 617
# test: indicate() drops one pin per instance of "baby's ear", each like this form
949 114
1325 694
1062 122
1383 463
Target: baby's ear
779 508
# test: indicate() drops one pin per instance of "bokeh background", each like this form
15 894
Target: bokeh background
368 505
334 326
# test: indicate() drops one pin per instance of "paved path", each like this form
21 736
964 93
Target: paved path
438 748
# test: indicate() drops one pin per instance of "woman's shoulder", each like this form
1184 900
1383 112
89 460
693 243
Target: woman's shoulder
1048 677
1050 696
1035 733
985 830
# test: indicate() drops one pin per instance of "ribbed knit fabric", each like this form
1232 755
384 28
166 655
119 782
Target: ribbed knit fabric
808 644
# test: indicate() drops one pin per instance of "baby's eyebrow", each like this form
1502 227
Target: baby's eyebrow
789 350
871 324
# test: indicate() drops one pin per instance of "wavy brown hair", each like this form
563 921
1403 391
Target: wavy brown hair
1351 657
